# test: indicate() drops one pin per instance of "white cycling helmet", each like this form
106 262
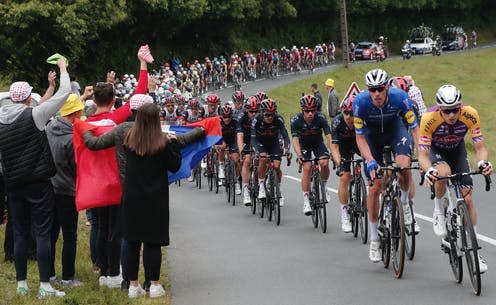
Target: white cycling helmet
376 78
448 96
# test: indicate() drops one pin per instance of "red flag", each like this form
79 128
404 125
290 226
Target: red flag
97 180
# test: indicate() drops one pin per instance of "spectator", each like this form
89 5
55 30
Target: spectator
415 95
59 133
142 164
106 219
75 87
317 95
27 168
332 99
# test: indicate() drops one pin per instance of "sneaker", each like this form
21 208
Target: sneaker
203 164
281 201
71 283
261 192
54 280
114 281
135 292
156 291
191 178
374 251
345 224
482 264
407 213
237 189
246 197
44 293
439 225
22 290
102 281
307 209
222 173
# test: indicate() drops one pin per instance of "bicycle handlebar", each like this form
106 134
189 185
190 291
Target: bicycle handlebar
314 160
458 176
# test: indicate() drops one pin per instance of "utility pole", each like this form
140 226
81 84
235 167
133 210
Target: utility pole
344 32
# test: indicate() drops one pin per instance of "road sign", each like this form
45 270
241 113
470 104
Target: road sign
353 90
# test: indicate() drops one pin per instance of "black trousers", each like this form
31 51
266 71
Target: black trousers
32 203
109 240
152 260
65 218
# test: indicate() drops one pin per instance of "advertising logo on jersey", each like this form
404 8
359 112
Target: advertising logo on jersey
425 140
410 117
358 122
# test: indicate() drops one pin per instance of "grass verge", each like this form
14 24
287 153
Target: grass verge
472 72
89 293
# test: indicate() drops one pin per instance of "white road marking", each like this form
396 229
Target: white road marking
487 239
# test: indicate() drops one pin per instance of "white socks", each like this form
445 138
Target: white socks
344 210
374 236
404 196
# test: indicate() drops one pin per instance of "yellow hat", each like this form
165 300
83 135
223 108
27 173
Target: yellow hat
72 105
329 82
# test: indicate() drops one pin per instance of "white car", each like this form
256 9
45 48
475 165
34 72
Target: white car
422 45
5 99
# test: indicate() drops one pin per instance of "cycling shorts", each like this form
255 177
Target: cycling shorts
347 150
397 138
232 144
456 159
319 151
269 148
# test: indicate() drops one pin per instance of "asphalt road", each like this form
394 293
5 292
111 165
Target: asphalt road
221 254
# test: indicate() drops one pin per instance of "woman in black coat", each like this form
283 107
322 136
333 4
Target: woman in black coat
148 154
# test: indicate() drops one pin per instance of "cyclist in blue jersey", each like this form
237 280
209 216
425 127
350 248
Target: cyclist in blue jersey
306 130
378 114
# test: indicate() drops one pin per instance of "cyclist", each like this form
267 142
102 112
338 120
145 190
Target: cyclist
243 131
265 131
238 99
400 83
229 125
169 113
377 120
306 131
344 146
211 109
442 152
260 96
193 113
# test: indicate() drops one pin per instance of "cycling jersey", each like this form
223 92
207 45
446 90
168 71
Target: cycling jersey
244 125
379 120
264 134
345 138
170 118
309 134
189 117
229 133
436 132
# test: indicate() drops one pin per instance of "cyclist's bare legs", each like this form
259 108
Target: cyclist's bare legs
324 169
405 177
373 200
344 181
467 196
305 178
277 167
237 165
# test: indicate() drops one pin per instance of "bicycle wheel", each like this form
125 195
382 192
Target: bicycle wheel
321 206
216 177
269 191
313 204
470 247
362 217
232 182
276 201
227 186
253 187
455 259
353 208
397 237
210 172
385 238
410 236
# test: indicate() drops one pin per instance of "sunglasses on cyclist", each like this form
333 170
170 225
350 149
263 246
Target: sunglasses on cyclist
377 89
309 110
449 111
252 111
268 115
227 116
347 112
